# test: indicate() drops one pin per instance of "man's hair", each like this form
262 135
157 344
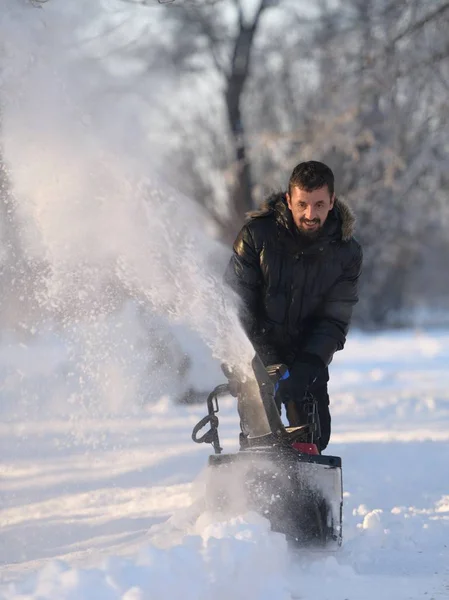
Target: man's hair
311 175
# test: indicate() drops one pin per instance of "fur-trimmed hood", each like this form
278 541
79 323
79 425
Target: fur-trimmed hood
276 205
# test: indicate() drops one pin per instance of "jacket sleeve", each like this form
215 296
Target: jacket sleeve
244 276
334 316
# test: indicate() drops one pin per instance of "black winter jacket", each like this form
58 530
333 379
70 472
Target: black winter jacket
297 295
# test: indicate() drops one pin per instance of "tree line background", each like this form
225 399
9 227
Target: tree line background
259 86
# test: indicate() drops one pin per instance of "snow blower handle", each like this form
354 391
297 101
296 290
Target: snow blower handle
211 436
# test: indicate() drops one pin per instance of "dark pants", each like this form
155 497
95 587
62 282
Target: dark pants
296 417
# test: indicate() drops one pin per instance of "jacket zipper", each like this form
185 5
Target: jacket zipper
306 271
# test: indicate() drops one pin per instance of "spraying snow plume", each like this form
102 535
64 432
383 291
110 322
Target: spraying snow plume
93 215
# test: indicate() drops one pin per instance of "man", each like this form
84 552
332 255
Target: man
295 267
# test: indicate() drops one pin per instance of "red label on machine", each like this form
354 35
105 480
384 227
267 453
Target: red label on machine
305 448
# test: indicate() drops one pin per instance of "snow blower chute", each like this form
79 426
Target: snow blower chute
278 471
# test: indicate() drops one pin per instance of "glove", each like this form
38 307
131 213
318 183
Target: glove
304 372
267 354
263 347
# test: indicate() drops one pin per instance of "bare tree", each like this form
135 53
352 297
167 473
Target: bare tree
219 37
366 93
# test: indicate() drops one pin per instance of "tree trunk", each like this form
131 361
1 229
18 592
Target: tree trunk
241 200
242 196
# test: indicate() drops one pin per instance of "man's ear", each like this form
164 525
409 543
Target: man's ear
332 202
289 200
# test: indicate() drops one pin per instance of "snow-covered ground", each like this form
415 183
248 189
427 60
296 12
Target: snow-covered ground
110 507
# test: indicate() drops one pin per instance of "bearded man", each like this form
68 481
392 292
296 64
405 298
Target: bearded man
296 266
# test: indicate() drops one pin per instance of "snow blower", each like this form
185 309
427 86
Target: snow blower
278 471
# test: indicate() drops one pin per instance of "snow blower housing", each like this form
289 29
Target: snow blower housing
278 471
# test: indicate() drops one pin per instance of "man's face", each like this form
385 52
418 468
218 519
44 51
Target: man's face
310 209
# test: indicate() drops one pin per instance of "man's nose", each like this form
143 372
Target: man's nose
310 213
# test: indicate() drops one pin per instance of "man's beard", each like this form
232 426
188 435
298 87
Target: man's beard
310 234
